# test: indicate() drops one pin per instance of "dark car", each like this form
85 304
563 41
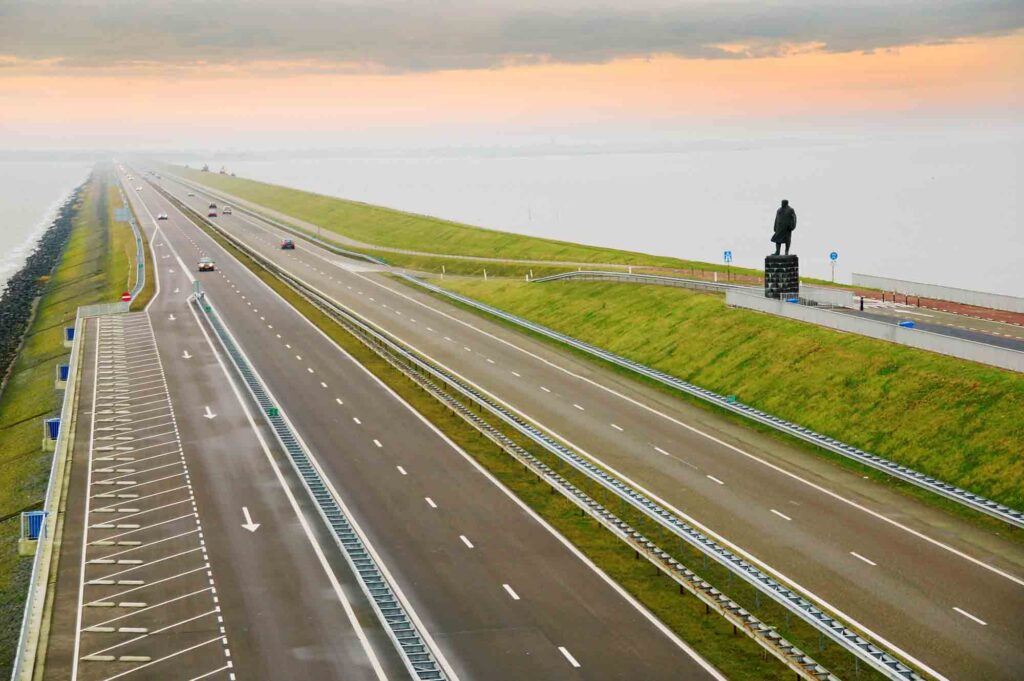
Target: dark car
287 245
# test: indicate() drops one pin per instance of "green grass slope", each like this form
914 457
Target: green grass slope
93 269
954 420
392 228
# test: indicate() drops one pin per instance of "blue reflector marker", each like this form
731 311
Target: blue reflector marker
33 523
907 325
69 333
63 371
792 300
53 428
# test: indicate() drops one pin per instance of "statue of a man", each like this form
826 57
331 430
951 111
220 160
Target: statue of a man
785 225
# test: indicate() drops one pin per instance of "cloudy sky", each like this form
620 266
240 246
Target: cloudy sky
163 73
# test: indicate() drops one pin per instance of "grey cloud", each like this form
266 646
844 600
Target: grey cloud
410 35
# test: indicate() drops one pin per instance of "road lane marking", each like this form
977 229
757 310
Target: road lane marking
545 389
309 369
714 479
338 400
970 616
860 557
466 541
568 656
377 442
467 348
781 515
516 374
356 419
510 591
618 428
430 502
490 361
578 406
402 471
322 384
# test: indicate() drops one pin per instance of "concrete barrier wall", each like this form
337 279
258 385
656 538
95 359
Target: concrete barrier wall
1003 358
827 295
995 301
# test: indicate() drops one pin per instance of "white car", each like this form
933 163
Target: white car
162 216
138 189
227 210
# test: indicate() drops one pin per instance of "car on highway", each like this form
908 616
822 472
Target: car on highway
191 193
206 265
138 189
161 216
287 245
227 210
212 213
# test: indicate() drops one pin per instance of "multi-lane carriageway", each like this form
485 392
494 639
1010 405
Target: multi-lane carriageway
190 552
940 591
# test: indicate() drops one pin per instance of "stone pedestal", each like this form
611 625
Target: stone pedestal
781 276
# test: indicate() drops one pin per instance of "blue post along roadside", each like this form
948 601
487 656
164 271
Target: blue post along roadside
727 256
833 256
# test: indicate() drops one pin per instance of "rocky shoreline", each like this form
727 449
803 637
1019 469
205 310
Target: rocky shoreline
17 304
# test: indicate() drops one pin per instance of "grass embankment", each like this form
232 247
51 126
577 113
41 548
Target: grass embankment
392 228
93 269
955 420
736 655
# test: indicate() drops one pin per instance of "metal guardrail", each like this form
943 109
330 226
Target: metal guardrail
971 500
804 666
415 652
280 225
28 637
679 282
140 253
826 625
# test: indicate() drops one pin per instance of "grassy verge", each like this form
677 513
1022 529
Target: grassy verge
955 420
735 654
90 271
392 228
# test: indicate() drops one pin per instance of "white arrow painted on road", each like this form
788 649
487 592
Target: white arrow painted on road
209 414
185 355
249 524
170 318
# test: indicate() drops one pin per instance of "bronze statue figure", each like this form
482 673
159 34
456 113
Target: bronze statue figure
785 225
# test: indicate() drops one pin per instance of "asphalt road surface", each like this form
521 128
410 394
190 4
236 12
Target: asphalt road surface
946 323
944 593
501 594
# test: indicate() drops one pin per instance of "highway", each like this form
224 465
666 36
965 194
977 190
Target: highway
946 323
499 592
879 558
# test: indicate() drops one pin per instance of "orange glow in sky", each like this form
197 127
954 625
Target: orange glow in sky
952 79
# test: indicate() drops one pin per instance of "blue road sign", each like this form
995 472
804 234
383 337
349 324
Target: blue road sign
833 256
728 256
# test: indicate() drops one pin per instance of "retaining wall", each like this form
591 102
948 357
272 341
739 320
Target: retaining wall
995 301
1003 358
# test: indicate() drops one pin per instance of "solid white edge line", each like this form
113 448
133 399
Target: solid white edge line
657 623
781 515
862 558
569 657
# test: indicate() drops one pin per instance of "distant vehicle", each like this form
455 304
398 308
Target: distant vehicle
191 194
138 189
213 206
287 245
212 213
162 216
227 210
206 265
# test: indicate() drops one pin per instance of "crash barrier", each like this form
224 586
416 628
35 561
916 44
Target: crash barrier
901 333
994 301
390 610
962 496
827 626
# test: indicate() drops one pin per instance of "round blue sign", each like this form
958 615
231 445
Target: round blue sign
833 256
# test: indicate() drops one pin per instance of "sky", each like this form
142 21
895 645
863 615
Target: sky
255 74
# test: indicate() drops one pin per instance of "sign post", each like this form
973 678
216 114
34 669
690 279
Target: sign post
833 256
727 256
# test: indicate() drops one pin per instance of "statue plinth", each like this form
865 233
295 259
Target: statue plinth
781 276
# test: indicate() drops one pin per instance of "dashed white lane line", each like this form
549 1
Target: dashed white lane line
356 419
298 357
578 406
401 470
970 616
662 451
545 389
309 369
467 348
322 384
781 515
490 361
618 428
377 442
860 557
447 338
510 591
338 400
465 540
568 656
430 329
430 502
714 479
517 374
